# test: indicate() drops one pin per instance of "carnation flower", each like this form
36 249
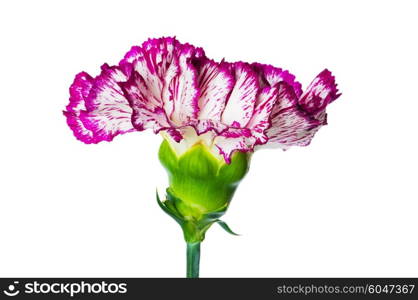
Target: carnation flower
211 115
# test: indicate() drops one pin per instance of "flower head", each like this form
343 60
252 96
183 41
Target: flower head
212 116
174 89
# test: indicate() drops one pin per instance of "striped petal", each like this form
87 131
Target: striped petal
184 92
290 126
260 121
271 76
98 110
162 89
215 83
234 139
79 91
147 111
240 105
321 92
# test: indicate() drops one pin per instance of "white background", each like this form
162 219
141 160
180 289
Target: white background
344 206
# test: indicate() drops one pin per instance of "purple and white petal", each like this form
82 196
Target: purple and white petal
215 82
79 91
321 92
80 131
234 140
147 111
271 76
260 121
290 126
185 94
98 111
107 111
167 79
240 104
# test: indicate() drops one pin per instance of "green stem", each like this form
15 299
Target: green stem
193 259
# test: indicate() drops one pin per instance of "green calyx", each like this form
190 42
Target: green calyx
201 187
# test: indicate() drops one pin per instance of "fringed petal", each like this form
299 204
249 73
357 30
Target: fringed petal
321 92
98 111
240 104
174 89
290 125
215 83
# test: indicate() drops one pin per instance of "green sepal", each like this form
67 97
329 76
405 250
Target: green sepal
204 182
226 227
194 230
170 210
